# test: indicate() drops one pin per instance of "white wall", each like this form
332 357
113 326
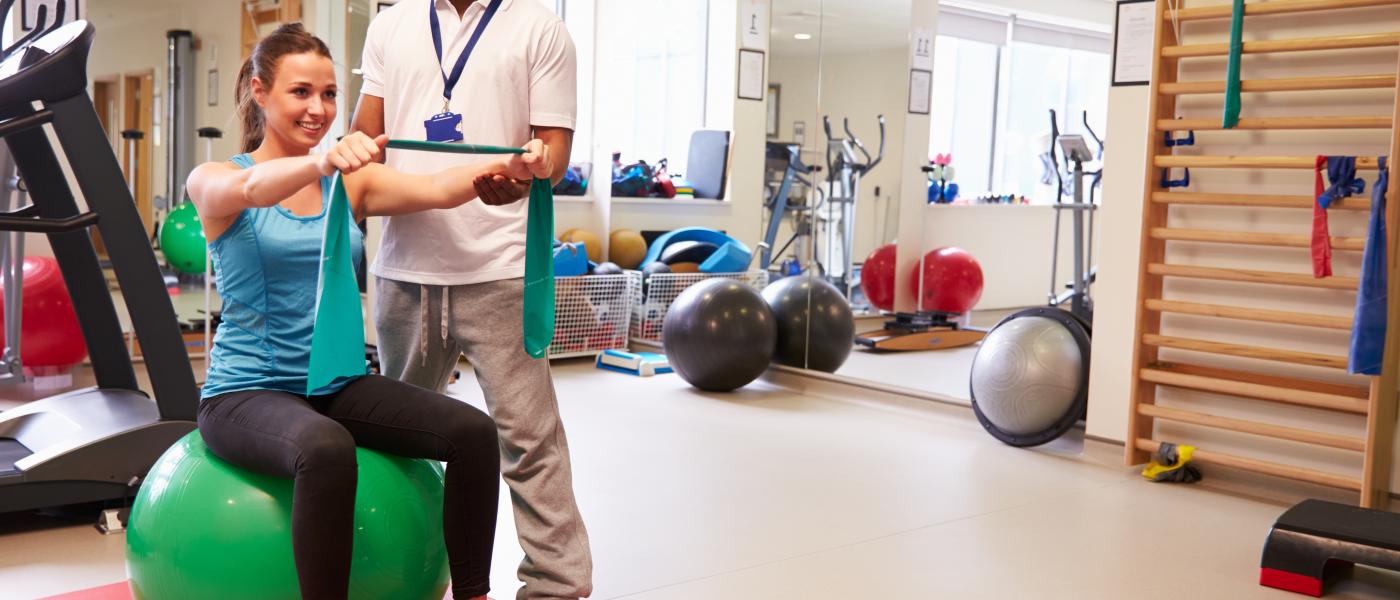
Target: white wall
1115 311
797 101
856 88
1125 179
132 40
913 198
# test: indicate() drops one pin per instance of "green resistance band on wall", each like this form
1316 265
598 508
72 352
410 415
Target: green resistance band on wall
338 337
1232 74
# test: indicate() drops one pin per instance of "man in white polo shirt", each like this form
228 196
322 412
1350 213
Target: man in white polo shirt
496 72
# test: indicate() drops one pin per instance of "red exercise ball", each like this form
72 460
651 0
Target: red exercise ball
877 277
952 280
49 332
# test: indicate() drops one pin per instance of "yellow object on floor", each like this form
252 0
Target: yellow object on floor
1172 463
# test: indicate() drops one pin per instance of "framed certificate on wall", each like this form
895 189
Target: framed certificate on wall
1133 28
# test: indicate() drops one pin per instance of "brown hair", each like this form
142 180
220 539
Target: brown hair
290 38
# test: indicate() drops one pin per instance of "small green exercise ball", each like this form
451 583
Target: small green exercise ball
203 528
182 239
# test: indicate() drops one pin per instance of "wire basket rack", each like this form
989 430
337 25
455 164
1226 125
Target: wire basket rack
591 313
653 297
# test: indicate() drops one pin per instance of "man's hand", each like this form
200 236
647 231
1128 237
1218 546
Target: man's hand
497 189
512 182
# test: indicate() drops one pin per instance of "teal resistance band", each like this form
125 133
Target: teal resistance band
451 147
338 337
539 245
1232 75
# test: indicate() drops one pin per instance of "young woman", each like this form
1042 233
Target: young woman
263 214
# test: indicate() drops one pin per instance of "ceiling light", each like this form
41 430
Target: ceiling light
802 36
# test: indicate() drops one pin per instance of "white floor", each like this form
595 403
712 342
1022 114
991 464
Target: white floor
816 491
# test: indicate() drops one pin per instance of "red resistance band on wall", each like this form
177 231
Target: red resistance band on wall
1341 173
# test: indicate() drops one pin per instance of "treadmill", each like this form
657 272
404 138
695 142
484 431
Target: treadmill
91 444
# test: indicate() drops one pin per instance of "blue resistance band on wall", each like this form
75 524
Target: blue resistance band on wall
1369 323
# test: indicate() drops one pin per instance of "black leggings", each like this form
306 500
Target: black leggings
312 440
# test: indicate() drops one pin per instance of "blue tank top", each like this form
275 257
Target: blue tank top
266 267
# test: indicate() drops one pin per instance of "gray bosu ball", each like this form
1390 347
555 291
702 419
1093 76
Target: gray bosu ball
1030 376
719 335
821 343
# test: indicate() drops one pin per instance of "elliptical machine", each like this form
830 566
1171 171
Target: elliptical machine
787 180
836 217
1075 150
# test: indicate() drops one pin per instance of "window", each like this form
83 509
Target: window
1047 77
652 61
996 137
964 123
578 18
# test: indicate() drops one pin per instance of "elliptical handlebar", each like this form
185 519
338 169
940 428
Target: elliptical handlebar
826 125
880 155
1054 158
855 141
870 161
1097 139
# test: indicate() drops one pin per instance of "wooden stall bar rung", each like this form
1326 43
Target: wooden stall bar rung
1358 390
1279 389
1250 314
1288 84
1281 240
1280 7
1245 351
1175 161
1357 203
1253 276
1337 42
1263 466
1276 123
1292 434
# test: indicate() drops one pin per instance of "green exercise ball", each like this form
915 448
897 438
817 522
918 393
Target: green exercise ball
203 528
182 239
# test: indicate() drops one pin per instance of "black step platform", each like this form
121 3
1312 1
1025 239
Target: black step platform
1316 540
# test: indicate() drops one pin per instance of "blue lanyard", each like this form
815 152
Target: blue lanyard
449 82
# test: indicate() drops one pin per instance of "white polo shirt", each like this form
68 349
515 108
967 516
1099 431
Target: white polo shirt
521 74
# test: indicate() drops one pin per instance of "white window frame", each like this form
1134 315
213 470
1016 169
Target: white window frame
1001 30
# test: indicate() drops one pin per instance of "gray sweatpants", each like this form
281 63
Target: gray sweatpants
422 331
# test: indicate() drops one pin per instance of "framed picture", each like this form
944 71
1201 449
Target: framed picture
920 91
774 94
1133 25
751 75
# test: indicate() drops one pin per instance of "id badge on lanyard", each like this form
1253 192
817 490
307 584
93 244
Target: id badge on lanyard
446 126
